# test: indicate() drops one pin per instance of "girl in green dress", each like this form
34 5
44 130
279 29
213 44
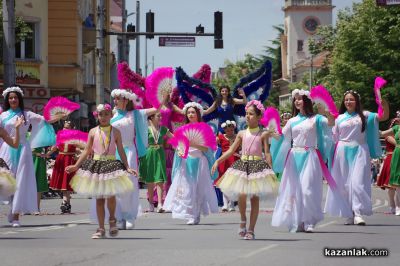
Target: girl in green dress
395 163
39 162
152 166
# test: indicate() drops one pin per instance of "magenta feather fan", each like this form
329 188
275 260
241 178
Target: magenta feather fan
73 137
158 84
379 83
271 119
322 96
196 133
58 107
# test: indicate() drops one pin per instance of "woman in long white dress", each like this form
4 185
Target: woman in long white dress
356 133
192 193
20 160
133 127
299 204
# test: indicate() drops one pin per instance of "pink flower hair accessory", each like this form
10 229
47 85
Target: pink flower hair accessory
257 104
101 107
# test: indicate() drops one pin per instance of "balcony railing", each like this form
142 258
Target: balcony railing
308 3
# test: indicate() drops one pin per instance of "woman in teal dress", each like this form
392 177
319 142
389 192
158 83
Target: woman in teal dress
153 166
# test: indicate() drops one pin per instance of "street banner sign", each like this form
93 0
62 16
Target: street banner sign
177 41
387 2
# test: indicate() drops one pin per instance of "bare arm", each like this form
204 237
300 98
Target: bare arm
176 109
386 133
210 109
264 139
391 140
229 152
84 154
240 101
385 106
13 142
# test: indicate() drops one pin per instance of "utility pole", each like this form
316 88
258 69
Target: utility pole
137 38
100 53
8 43
124 18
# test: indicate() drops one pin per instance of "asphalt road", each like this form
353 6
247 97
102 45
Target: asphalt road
55 239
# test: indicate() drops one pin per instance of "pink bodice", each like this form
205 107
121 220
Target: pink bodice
252 144
102 141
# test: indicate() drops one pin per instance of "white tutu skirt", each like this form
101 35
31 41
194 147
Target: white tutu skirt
102 179
8 185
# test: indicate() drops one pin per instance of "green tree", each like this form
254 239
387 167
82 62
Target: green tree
365 44
22 30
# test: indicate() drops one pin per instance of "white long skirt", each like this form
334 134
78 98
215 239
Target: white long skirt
25 197
300 192
352 173
188 196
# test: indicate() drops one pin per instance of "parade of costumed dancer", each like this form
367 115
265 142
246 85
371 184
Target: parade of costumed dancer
225 141
300 155
384 176
7 178
66 156
152 166
20 160
39 164
103 177
356 133
225 104
251 176
191 193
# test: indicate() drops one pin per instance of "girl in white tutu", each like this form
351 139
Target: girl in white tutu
251 176
7 178
192 193
103 177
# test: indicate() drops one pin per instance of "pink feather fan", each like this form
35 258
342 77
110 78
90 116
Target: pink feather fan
158 84
379 83
58 107
319 94
195 133
72 137
271 119
181 144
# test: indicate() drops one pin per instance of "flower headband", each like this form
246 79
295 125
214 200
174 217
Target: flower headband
195 105
351 91
301 92
100 108
257 104
124 93
228 123
12 89
286 115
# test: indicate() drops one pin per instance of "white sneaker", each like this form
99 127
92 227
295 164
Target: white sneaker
349 221
397 211
130 225
190 221
309 228
358 220
15 223
160 209
224 208
232 209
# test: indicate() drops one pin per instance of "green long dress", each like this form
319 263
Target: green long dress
395 163
40 170
152 166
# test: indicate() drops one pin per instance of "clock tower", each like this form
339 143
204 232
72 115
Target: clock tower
302 17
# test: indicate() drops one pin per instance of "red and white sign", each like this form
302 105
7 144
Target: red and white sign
176 41
387 2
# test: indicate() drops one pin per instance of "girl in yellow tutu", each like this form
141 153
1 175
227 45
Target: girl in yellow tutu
251 176
103 177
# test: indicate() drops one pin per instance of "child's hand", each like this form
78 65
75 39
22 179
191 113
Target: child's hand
71 169
214 168
268 159
132 172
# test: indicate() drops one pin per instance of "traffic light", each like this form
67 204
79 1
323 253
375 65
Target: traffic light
130 28
150 24
217 25
199 29
218 44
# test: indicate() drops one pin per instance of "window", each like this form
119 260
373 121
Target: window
300 45
27 48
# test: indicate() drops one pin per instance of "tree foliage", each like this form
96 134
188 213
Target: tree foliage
22 30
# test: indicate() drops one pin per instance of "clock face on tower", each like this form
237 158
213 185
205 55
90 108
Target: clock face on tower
310 24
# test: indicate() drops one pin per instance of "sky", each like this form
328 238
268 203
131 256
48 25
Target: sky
247 28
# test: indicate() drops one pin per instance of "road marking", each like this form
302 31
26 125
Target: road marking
255 252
